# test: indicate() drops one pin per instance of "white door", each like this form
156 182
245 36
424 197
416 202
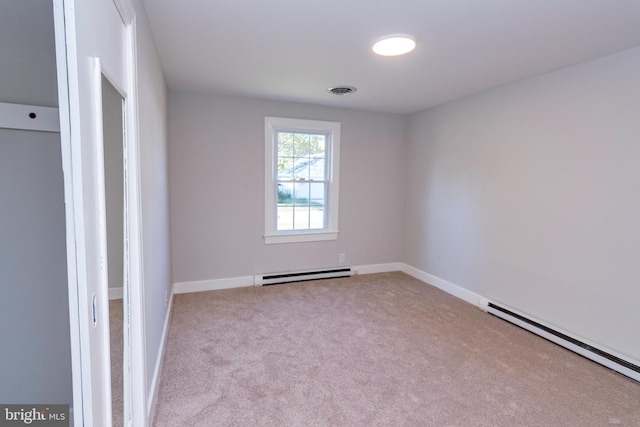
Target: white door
92 39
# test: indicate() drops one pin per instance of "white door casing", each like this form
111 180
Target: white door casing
89 33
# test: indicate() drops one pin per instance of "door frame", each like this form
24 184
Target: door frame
93 406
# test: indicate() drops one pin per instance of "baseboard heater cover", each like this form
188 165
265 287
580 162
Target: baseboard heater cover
300 276
598 355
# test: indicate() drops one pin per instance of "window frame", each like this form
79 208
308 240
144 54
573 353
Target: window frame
273 125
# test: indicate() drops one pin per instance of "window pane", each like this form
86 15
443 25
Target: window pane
285 144
317 195
301 218
285 168
285 193
301 193
301 168
317 145
285 217
301 145
316 169
316 217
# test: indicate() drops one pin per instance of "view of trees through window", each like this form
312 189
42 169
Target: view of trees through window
302 185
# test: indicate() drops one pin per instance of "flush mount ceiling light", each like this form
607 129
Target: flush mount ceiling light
394 45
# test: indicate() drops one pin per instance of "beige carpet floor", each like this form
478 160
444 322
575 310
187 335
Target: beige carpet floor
116 320
372 350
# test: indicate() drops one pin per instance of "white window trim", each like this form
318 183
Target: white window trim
272 235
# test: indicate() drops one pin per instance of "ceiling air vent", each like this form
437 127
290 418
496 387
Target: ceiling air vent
342 90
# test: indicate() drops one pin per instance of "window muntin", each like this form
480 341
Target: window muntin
301 181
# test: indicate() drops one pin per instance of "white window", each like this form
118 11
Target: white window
301 180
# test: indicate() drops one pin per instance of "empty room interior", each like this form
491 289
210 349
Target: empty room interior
253 213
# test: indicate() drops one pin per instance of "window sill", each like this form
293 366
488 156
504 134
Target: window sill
271 239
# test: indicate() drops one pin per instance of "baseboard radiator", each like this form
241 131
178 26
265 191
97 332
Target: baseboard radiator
605 358
300 276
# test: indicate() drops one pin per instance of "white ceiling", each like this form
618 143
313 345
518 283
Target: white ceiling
295 49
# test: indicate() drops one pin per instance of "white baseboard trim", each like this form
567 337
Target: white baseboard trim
116 293
448 287
245 281
543 330
377 268
157 372
213 285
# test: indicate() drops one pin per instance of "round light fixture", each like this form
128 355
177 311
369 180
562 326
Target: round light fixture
394 45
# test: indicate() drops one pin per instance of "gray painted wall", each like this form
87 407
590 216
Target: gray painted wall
28 60
528 194
216 152
35 354
114 182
